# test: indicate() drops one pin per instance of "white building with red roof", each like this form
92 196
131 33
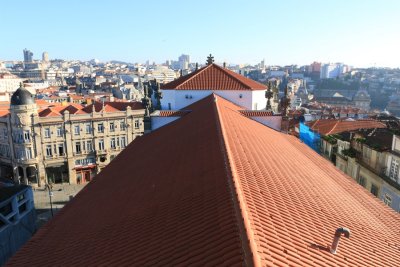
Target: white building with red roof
210 79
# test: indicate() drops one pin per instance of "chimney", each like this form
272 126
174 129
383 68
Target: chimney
224 65
336 238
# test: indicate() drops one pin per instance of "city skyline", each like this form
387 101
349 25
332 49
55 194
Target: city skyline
361 34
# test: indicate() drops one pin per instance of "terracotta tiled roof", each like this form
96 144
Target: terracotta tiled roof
4 113
99 107
213 77
247 195
76 97
73 108
49 112
186 218
121 106
326 126
256 113
40 102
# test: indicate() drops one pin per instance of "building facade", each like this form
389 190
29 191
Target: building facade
213 79
9 82
64 144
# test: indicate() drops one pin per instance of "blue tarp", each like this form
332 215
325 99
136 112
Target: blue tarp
309 137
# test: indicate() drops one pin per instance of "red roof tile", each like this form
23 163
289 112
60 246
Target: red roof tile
113 106
293 200
49 112
231 192
167 215
213 77
326 126
4 113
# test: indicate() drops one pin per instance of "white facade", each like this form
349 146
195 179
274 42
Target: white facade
162 74
157 121
329 71
273 122
9 83
178 99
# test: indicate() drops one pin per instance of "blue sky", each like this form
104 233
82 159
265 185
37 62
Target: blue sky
357 32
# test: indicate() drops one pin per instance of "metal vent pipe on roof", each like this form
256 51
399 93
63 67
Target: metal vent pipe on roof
336 238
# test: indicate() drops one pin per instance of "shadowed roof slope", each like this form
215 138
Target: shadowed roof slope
219 188
213 77
165 209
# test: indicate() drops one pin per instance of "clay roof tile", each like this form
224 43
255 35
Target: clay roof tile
220 189
213 77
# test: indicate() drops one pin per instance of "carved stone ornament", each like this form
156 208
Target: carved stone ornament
21 119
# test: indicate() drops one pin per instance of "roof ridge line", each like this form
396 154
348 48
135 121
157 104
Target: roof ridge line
227 71
334 127
248 245
194 75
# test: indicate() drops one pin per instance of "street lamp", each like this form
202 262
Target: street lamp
49 188
51 203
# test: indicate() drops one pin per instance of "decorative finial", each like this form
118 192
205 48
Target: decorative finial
21 85
268 96
197 66
224 65
210 60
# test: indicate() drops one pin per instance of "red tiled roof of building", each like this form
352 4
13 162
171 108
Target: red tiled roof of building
57 109
121 106
99 107
40 102
4 112
49 112
256 113
293 200
327 126
247 195
76 97
213 77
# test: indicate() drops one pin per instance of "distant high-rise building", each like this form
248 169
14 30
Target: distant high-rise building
332 70
28 55
184 61
45 57
315 67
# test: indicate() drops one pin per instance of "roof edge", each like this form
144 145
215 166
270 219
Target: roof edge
195 74
248 245
227 71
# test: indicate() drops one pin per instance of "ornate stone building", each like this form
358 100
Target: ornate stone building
64 143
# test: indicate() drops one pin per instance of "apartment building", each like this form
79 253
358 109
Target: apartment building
63 143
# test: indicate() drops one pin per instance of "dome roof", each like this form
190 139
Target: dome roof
22 97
